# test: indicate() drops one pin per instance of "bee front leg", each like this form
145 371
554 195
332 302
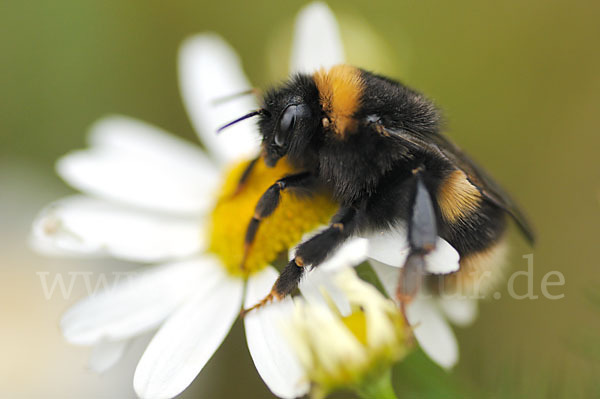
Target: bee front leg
269 201
312 253
244 177
422 235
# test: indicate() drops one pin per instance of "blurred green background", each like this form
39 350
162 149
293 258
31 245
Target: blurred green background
519 82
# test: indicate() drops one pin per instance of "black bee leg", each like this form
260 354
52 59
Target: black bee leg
422 235
245 175
243 179
312 253
270 201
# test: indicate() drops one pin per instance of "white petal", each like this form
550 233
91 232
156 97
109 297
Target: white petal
135 303
388 277
188 339
317 41
433 333
461 311
85 226
210 70
106 354
391 247
139 164
352 253
133 137
272 355
444 258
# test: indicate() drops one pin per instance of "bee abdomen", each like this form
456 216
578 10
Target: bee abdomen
475 228
457 197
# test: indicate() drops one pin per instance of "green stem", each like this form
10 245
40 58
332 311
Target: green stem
378 388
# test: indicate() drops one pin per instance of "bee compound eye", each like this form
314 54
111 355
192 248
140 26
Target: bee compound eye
288 121
286 125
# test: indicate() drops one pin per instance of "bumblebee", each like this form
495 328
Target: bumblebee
376 146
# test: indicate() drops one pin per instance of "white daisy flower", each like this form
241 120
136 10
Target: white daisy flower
150 198
350 350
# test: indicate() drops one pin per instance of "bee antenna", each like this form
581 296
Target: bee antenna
241 118
224 99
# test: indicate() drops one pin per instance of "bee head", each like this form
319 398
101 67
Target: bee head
288 119
291 119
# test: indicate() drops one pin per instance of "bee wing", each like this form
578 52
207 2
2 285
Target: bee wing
436 144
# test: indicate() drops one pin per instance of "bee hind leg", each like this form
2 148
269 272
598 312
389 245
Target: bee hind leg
422 235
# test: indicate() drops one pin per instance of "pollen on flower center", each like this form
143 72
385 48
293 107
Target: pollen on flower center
233 211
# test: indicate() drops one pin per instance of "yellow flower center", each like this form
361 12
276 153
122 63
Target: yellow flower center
278 232
356 322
